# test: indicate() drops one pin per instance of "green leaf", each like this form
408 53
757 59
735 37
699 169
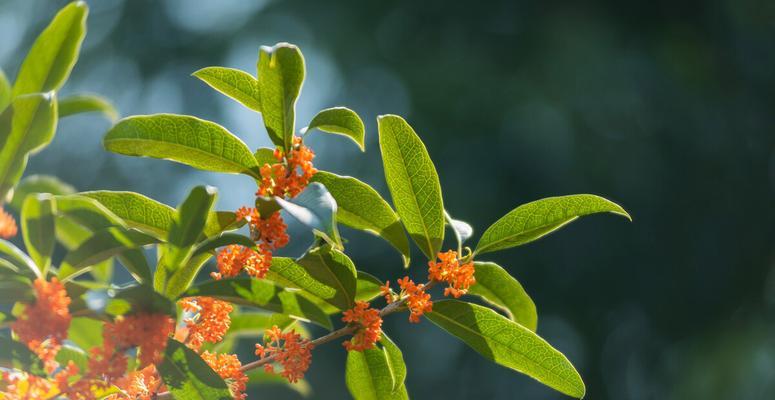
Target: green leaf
376 374
54 53
413 183
139 212
85 103
536 219
500 289
255 324
38 226
262 294
463 231
323 272
187 376
315 208
101 246
341 121
85 332
280 76
87 212
182 278
226 239
507 343
264 155
69 353
185 139
17 258
221 221
368 287
5 91
38 184
359 206
259 377
14 288
237 84
140 298
26 127
135 262
16 355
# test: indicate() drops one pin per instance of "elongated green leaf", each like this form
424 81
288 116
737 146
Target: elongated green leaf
87 212
26 126
85 103
226 239
140 298
135 262
5 91
14 287
340 121
368 287
54 53
507 343
259 377
262 294
264 155
13 255
85 332
185 139
103 245
16 355
239 85
324 272
315 208
38 227
256 324
500 289
189 377
182 278
376 374
413 183
359 206
38 184
536 219
280 76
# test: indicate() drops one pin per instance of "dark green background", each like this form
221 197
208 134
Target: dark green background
665 107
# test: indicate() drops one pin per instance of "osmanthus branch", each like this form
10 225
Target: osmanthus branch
331 336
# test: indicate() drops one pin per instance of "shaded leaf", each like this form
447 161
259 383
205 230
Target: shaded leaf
225 239
359 206
264 155
26 127
413 183
37 227
259 377
239 85
38 184
507 343
54 53
101 246
187 376
324 272
5 91
536 219
500 289
17 258
16 355
376 374
14 287
185 139
315 208
262 294
85 103
280 76
340 121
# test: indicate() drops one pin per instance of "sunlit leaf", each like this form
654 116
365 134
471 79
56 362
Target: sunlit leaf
359 206
280 76
38 184
5 91
239 85
507 343
19 259
340 121
500 289
185 139
86 103
376 374
187 376
536 219
413 183
103 245
38 227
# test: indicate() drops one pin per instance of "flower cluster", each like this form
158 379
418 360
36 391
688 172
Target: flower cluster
417 301
8 226
209 322
287 349
138 385
458 276
43 325
228 367
291 174
368 323
234 258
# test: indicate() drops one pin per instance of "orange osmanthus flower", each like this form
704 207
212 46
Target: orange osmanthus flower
291 174
417 300
16 385
139 385
228 367
234 258
289 350
8 228
368 323
43 325
210 320
448 269
147 332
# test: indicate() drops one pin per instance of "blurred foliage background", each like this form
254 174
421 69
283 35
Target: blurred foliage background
667 108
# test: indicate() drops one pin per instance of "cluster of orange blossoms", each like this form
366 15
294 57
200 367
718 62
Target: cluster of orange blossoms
287 349
368 323
43 325
210 320
8 226
228 367
458 276
139 385
417 301
290 174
